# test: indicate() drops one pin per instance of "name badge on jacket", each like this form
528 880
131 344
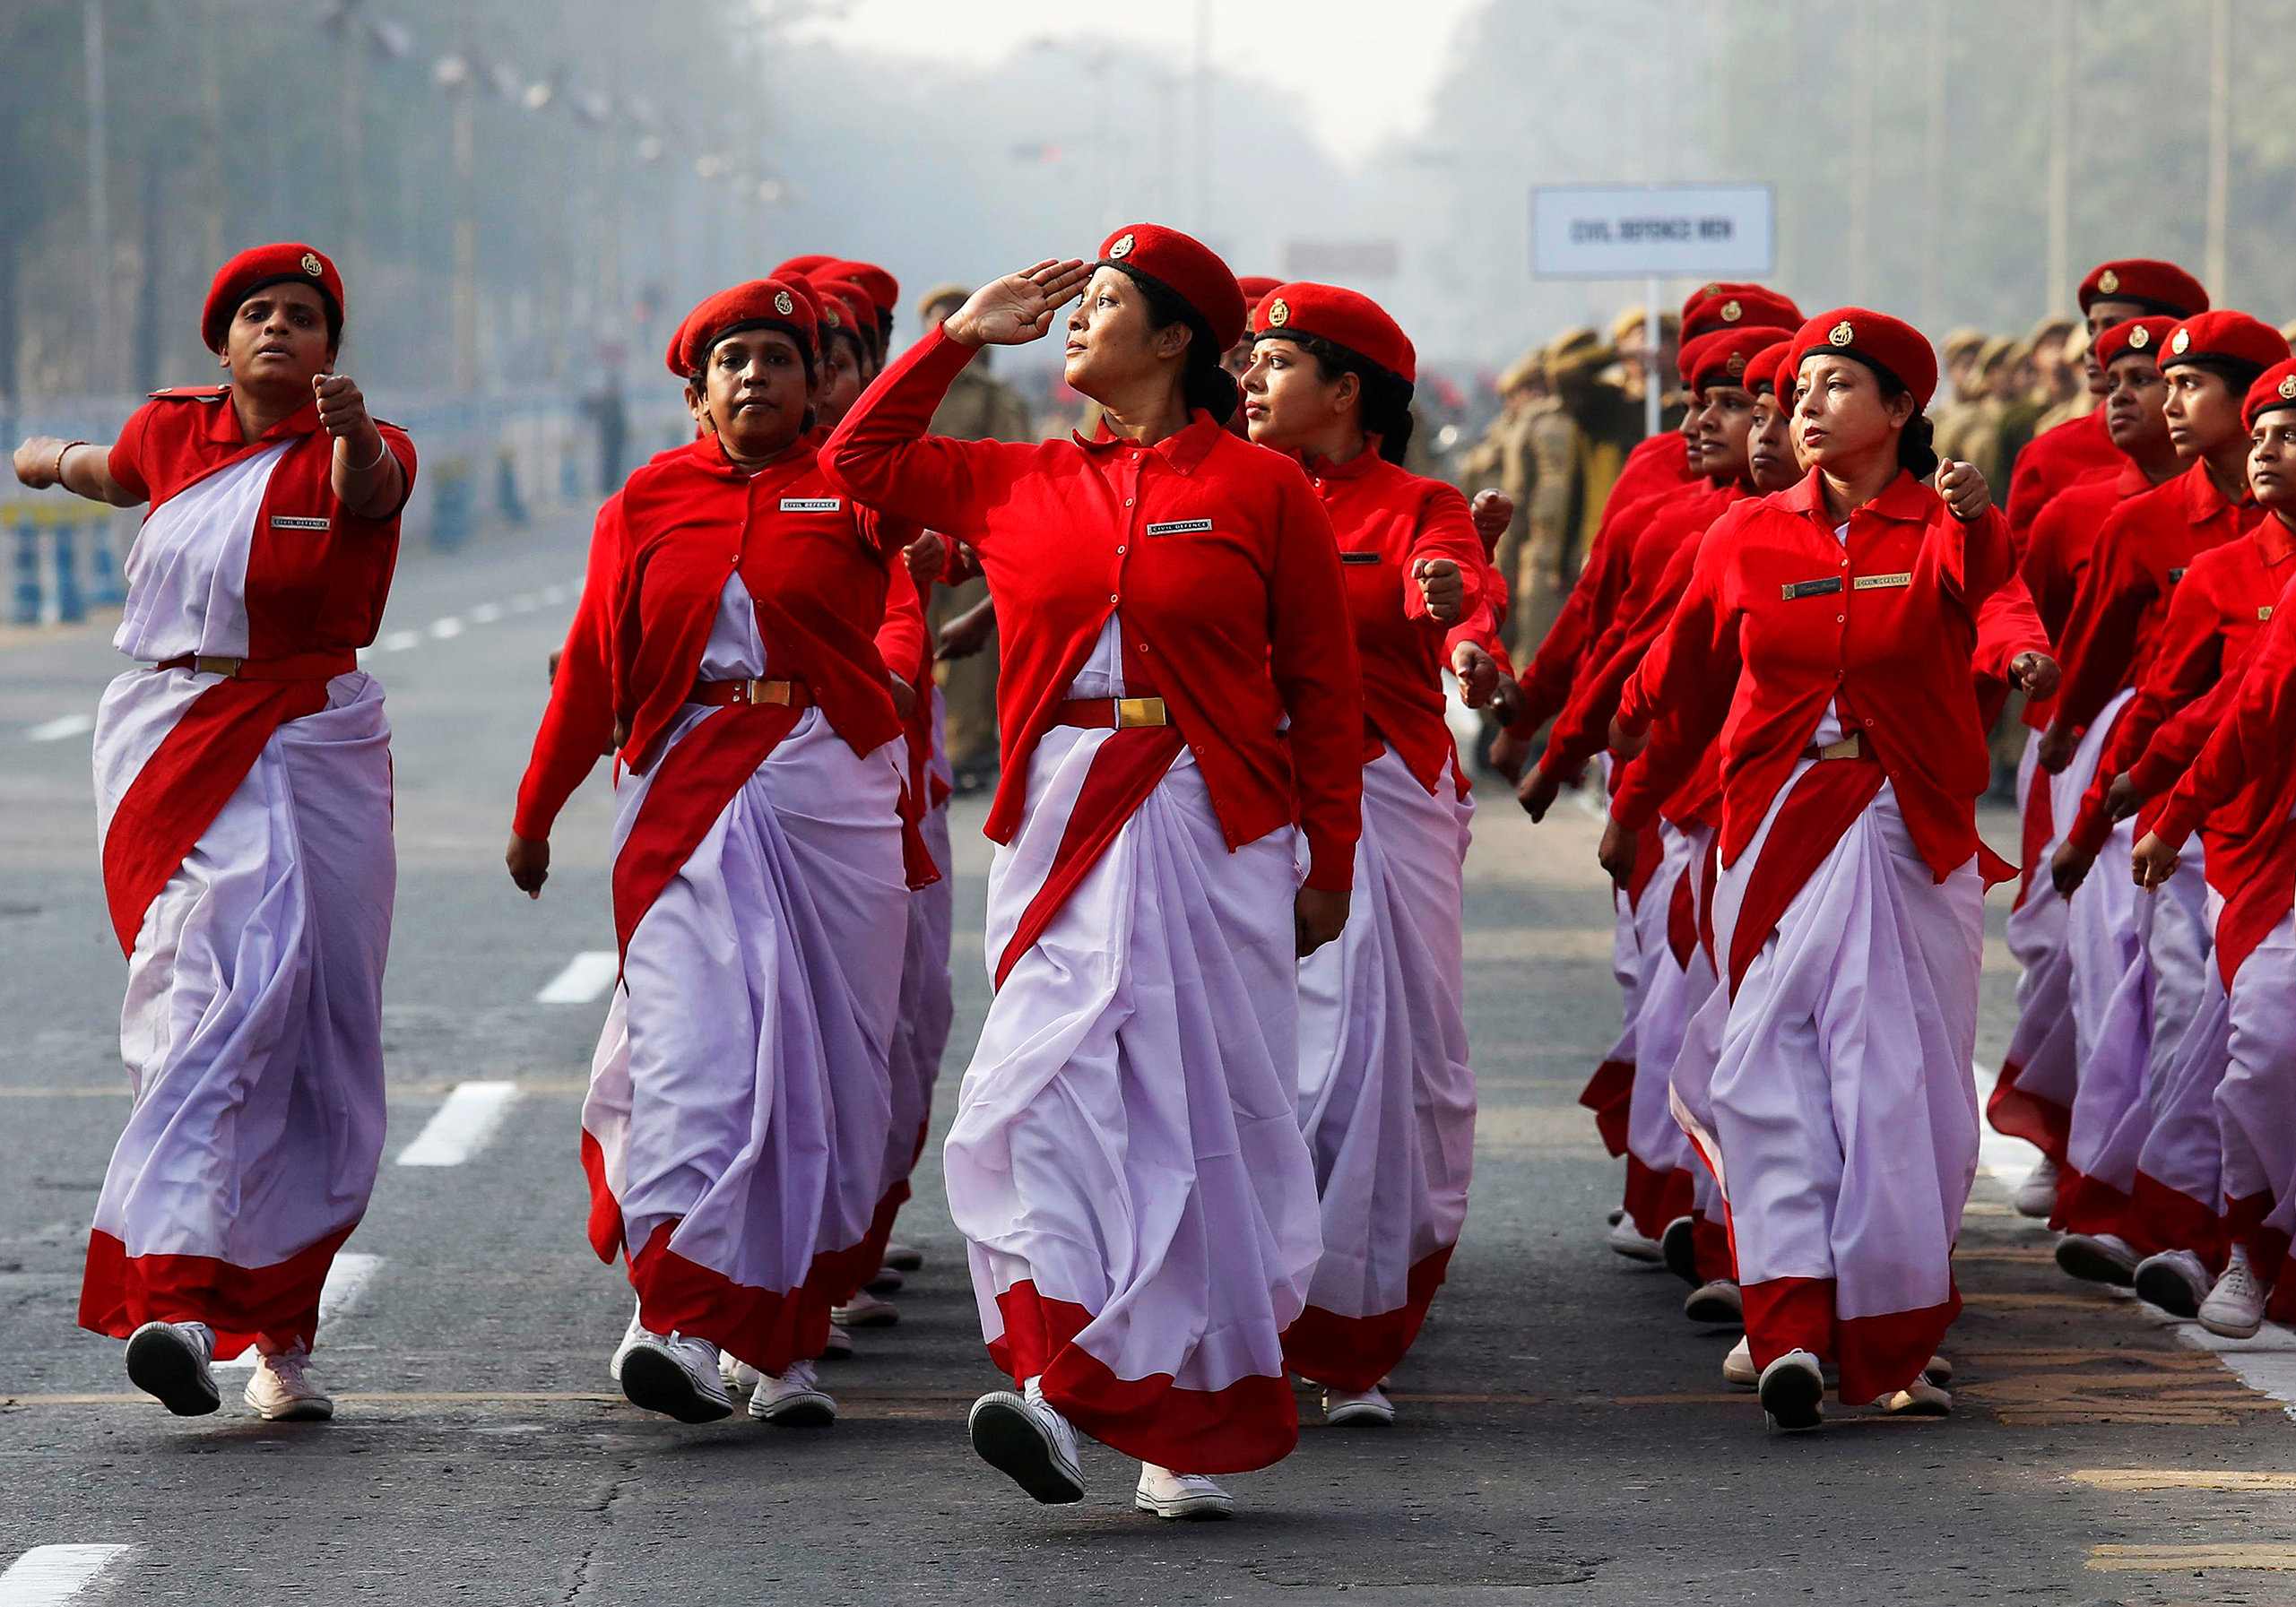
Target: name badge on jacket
810 504
1882 583
1181 527
1359 557
1827 587
297 521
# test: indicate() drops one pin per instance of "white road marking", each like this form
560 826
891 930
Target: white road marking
462 1126
399 641
61 727
486 613
584 979
523 603
1998 1155
346 1280
46 1576
447 628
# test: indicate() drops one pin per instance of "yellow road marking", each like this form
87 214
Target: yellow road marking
2169 1478
2162 1559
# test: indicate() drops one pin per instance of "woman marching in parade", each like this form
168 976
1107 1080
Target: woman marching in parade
243 787
1829 644
1386 1094
737 1119
1126 1161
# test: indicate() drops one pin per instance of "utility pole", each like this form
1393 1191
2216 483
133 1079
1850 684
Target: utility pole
2060 153
99 367
1861 156
354 40
1204 87
1933 160
2219 143
466 278
211 107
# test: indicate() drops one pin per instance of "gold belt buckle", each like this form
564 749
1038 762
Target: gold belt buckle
1847 749
755 691
1131 712
202 664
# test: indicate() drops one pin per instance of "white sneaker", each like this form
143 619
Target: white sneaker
282 1390
630 1336
865 1310
1357 1409
2176 1281
1718 1301
1168 1494
1739 1370
1024 1439
738 1376
676 1374
793 1401
904 1257
2234 1308
173 1360
2037 1195
2097 1258
1793 1392
838 1346
1920 1398
1628 1241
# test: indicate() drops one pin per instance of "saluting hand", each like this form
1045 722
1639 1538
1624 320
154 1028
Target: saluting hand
1441 588
1963 488
1018 308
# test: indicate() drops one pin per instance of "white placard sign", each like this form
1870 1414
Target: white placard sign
1690 231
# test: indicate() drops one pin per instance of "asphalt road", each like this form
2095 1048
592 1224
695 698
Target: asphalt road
1565 1437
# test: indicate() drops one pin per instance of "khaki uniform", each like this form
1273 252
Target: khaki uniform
977 408
1579 441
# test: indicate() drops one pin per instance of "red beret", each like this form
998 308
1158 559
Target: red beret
800 267
1725 357
883 290
1255 288
1186 267
2163 285
2274 390
844 305
289 261
1341 316
1877 340
767 303
1761 368
2146 335
1737 307
2232 336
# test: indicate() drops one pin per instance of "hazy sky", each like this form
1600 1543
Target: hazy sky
1358 75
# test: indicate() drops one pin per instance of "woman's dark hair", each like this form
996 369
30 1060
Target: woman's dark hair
1917 452
1387 395
1203 383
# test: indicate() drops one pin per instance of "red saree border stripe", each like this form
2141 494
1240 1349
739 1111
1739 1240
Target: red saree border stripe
185 784
120 1292
1607 1094
1355 1353
1825 801
2042 1123
1123 771
1653 1198
1878 1355
2162 1218
2093 1205
768 1328
1251 1423
605 1225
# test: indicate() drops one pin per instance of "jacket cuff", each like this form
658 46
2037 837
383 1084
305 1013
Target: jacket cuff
1330 862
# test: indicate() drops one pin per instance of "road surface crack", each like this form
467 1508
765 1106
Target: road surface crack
579 1589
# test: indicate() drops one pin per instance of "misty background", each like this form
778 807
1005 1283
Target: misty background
525 197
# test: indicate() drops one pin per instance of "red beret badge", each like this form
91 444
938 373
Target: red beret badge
2108 283
1122 248
1842 334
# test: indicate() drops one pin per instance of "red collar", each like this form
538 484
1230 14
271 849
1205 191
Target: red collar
1363 462
1905 499
1182 450
2275 540
2202 500
223 423
708 453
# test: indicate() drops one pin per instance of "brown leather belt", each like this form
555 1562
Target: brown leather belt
1849 748
1111 713
293 666
779 695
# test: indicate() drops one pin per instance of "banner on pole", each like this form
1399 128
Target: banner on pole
1686 231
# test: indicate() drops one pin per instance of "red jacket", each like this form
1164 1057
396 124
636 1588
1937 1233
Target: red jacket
817 569
2052 460
2216 614
1216 556
2142 551
1784 619
1386 520
1656 463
